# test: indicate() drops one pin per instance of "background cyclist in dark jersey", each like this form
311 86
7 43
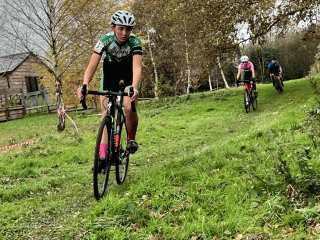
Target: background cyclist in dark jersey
275 69
123 61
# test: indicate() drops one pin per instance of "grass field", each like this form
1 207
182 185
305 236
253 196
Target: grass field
205 170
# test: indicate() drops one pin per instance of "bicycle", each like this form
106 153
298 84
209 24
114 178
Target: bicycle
114 124
277 83
252 97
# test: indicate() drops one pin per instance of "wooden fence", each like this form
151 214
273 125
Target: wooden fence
15 107
11 113
37 101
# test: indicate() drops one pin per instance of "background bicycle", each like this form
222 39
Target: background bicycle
252 97
113 126
277 83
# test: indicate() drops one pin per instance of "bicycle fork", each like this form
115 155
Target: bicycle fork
118 136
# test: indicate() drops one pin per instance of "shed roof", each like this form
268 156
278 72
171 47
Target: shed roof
11 62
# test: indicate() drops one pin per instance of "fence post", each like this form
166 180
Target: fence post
6 105
45 100
23 102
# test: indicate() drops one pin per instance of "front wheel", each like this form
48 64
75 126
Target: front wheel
277 85
274 82
122 153
280 88
246 105
101 167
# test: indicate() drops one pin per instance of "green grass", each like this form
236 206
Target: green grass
205 170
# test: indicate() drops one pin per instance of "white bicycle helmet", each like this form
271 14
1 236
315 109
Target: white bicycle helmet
123 18
244 59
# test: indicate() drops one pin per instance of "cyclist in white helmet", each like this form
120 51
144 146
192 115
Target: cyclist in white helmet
248 69
123 61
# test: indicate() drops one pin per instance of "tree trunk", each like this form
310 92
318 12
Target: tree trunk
187 59
210 83
61 111
222 74
156 84
262 68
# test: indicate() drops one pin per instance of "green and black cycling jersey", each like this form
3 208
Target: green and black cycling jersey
117 64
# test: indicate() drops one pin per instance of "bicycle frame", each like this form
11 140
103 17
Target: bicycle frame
248 87
115 100
277 83
248 95
113 128
116 103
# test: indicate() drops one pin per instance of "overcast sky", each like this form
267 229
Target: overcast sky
10 44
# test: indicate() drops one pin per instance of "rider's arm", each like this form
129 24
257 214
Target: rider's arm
136 69
269 66
92 67
280 70
252 70
239 73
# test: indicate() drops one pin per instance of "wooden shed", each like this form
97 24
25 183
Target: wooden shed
18 81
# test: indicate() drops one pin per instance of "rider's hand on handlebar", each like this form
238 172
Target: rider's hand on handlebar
135 94
80 91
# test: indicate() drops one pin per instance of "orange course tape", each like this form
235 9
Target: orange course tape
16 145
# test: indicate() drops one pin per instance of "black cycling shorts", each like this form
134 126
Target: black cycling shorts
247 75
113 72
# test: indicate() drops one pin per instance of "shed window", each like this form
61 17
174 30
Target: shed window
32 84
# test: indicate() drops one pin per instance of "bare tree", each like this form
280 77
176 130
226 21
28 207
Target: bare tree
212 29
156 84
48 29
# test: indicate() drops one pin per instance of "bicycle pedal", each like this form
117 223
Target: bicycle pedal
131 151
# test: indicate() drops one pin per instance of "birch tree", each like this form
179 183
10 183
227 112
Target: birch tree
187 57
48 29
222 74
155 71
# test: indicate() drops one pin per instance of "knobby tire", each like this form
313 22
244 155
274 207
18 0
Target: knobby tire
101 177
280 89
123 155
246 107
253 101
277 85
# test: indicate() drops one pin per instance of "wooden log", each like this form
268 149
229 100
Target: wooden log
3 114
16 112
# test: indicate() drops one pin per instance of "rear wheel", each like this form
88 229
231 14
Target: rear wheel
101 168
123 155
254 101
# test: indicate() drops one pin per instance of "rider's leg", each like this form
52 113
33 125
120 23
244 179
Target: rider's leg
272 78
254 86
104 140
280 80
131 118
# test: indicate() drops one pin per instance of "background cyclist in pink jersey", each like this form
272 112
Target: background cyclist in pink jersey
248 74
